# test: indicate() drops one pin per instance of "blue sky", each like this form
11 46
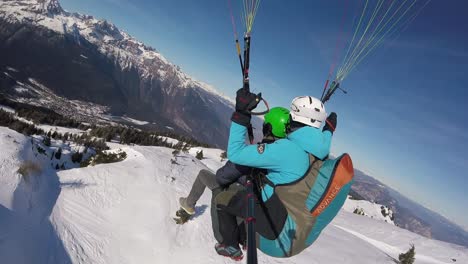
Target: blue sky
404 119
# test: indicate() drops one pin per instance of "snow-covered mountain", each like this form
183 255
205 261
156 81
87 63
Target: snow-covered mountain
111 40
122 213
408 214
373 210
83 58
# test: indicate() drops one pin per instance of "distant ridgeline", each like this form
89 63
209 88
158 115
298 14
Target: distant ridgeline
124 134
408 214
59 60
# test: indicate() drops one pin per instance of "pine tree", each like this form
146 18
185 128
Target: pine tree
186 148
175 152
46 141
77 157
408 257
223 156
58 154
383 211
199 155
179 145
109 137
66 136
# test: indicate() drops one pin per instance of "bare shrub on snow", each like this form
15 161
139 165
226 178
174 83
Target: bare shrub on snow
28 168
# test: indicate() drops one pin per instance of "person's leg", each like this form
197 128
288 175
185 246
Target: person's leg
214 215
242 236
229 230
230 205
204 179
233 188
270 216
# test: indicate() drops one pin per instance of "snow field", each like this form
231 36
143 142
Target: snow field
371 210
122 213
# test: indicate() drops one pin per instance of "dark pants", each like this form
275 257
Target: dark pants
231 204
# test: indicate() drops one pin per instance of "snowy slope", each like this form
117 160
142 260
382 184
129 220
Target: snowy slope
60 129
12 145
122 213
366 208
26 202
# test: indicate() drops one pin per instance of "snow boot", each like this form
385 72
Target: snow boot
182 217
242 239
183 204
229 251
243 244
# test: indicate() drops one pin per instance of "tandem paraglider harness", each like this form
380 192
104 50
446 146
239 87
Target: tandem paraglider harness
294 216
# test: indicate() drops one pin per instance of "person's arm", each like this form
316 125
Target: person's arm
321 143
265 156
325 136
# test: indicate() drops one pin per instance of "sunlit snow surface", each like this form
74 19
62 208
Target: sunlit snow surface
122 213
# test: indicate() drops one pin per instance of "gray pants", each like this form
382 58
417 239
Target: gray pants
205 179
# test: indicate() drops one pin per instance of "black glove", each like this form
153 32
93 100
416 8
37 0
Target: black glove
330 123
245 102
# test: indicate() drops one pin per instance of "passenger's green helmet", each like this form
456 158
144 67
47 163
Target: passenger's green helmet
279 119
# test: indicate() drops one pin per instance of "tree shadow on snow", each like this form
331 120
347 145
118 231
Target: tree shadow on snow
33 238
74 184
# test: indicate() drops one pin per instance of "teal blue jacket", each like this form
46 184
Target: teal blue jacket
286 160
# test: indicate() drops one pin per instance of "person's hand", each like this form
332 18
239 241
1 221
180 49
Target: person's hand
330 123
245 102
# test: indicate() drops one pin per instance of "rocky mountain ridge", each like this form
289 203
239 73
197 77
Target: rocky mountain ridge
408 214
82 58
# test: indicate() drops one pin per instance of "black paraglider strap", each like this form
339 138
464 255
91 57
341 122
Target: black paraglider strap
333 87
251 239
